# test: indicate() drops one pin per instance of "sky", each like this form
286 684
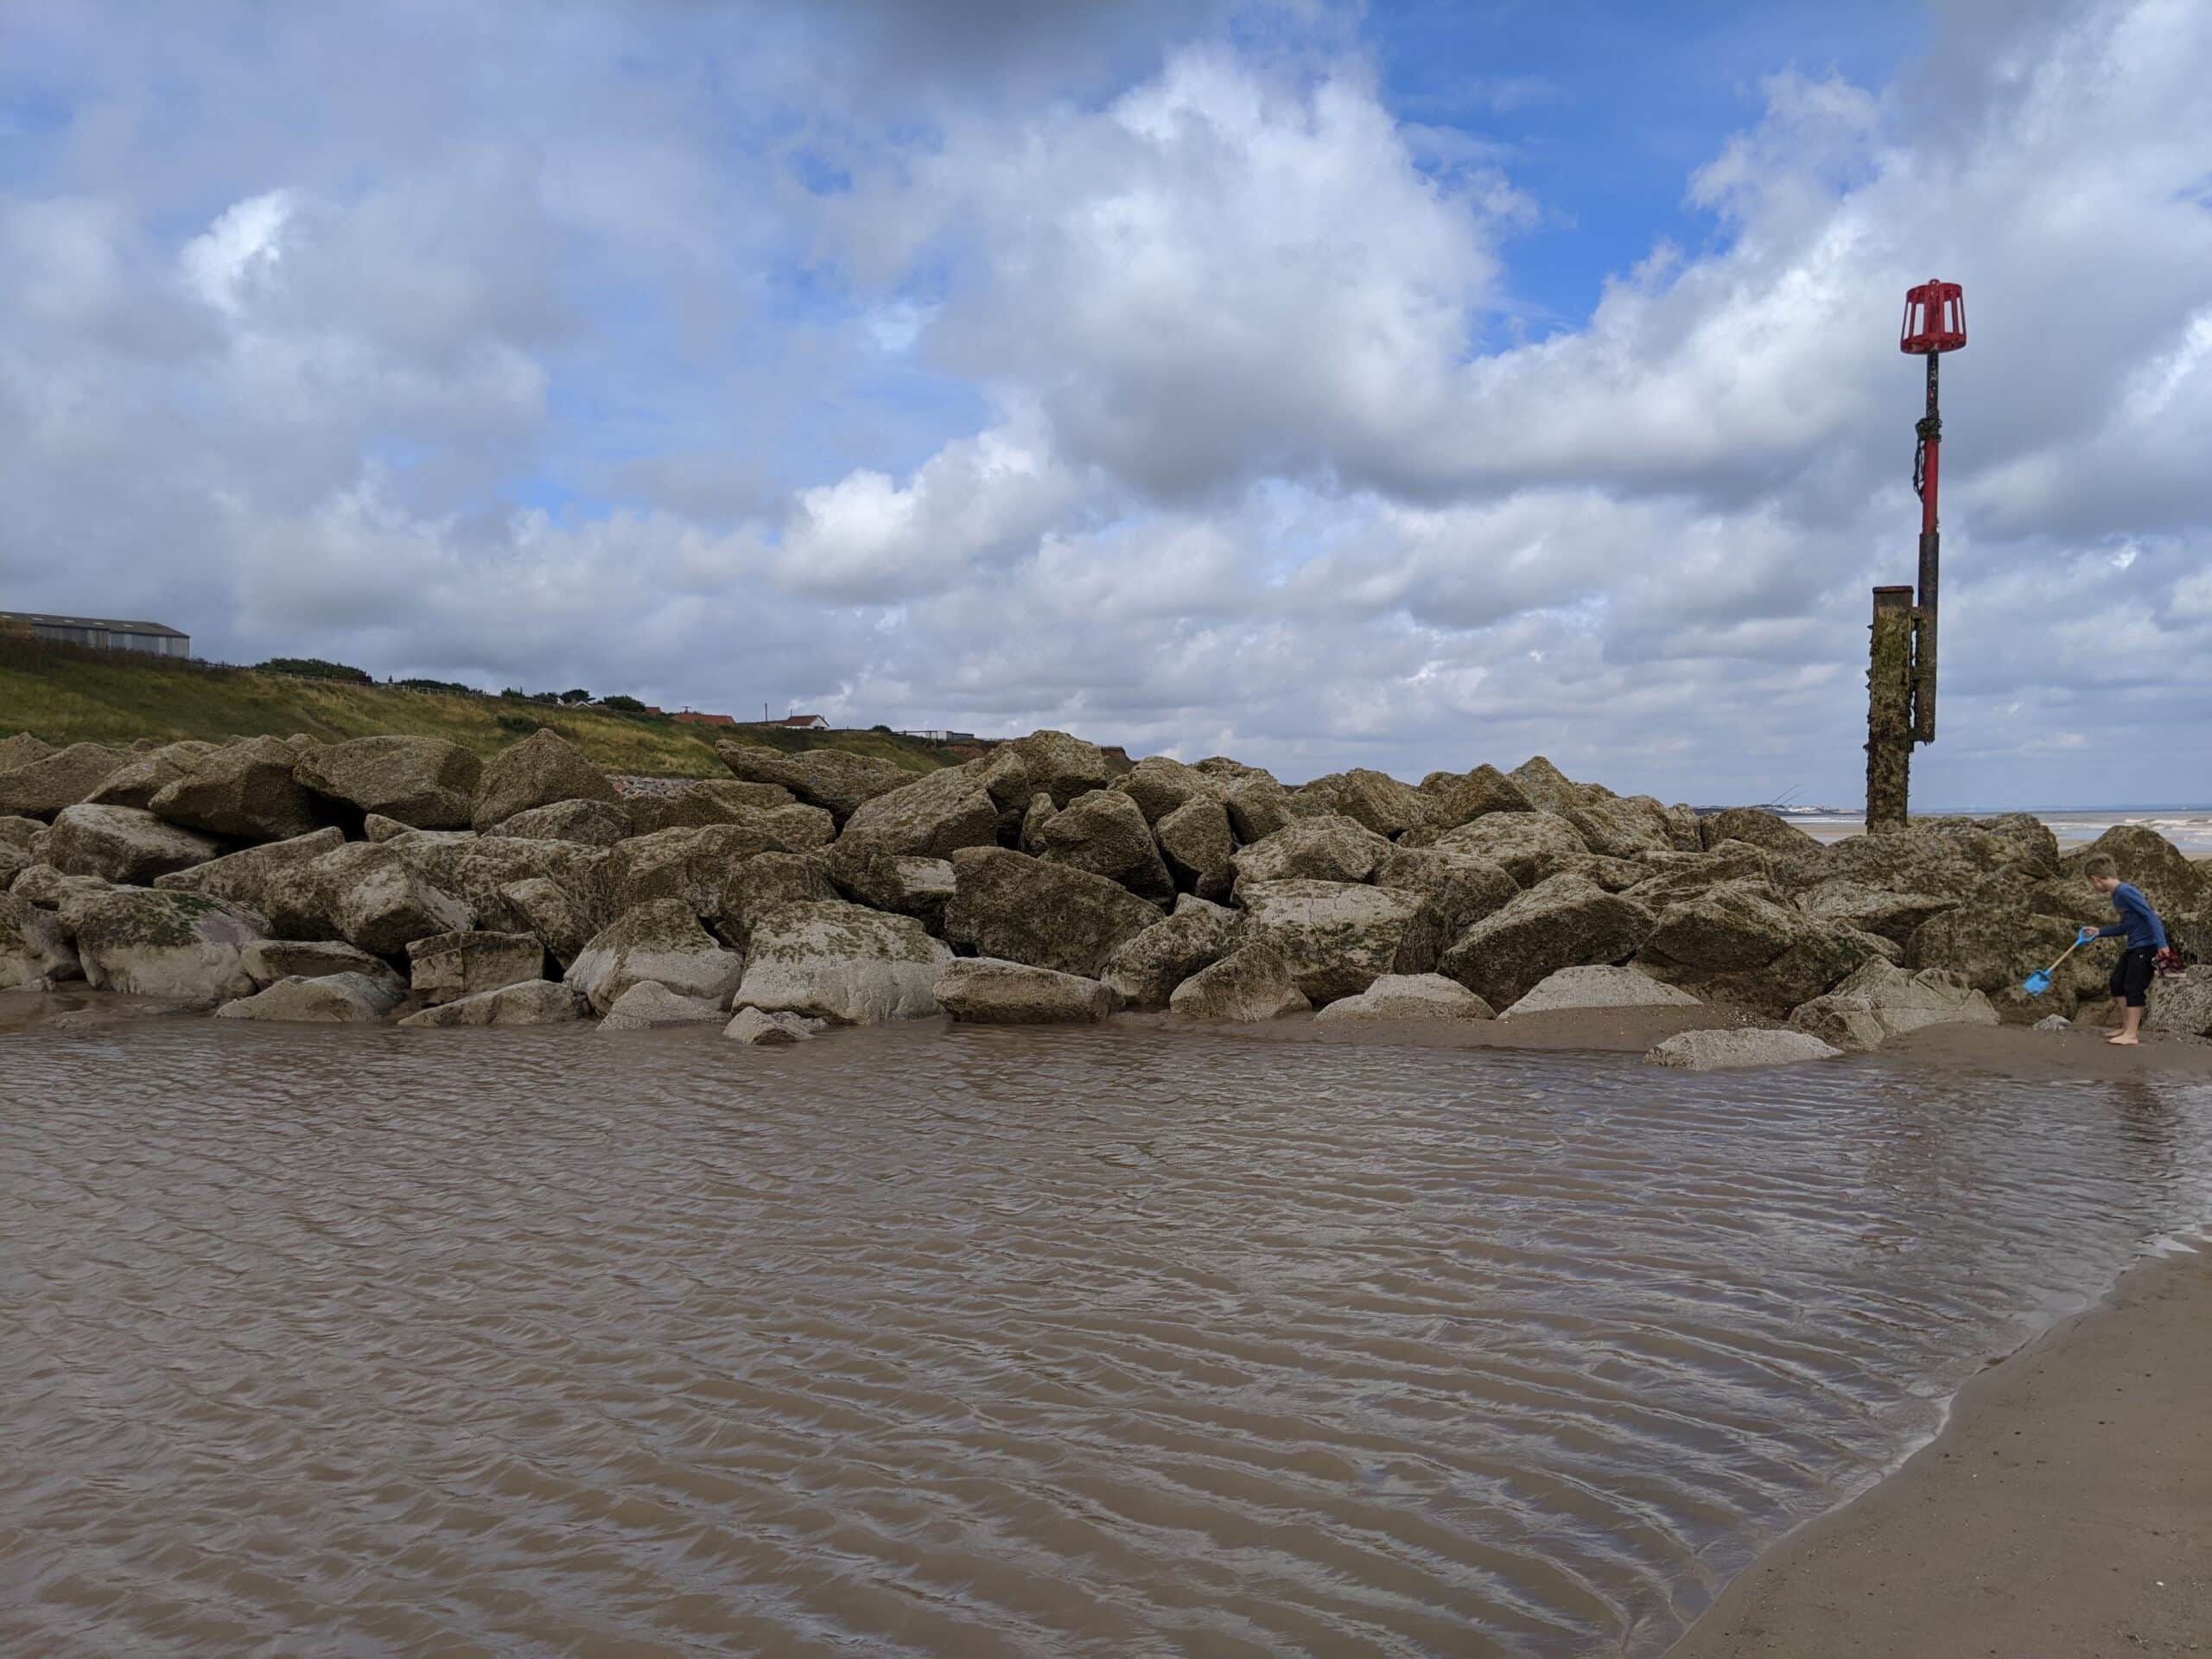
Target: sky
1407 385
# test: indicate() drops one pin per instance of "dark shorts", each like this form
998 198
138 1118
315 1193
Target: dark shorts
2131 979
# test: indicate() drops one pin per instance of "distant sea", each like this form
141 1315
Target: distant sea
2189 828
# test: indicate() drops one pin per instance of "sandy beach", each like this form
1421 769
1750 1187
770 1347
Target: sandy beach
2066 1509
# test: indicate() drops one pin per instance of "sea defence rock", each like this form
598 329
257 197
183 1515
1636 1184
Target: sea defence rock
146 775
1144 971
1251 983
540 769
840 784
445 967
366 894
534 1002
561 920
593 824
124 844
2181 1004
334 999
1061 767
649 1004
1373 798
1198 845
34 954
1566 922
1103 832
423 782
25 834
1410 996
1798 859
983 990
1621 827
899 882
932 817
756 1028
1718 1051
1461 797
1340 937
1462 887
1879 1000
661 941
1022 909
20 750
1259 807
1527 846
243 791
148 943
267 961
41 787
712 800
705 866
1159 785
1598 987
843 962
243 878
1325 848
1730 945
1544 784
1894 915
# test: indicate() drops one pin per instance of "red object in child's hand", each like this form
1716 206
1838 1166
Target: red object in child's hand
2167 963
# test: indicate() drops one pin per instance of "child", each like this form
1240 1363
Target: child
2146 937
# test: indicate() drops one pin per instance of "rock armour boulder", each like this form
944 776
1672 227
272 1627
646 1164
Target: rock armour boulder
984 990
41 787
1145 970
1022 909
1340 937
537 1002
843 962
1104 832
541 769
148 943
1566 922
447 967
661 941
1410 996
1598 987
839 782
331 1000
34 954
124 844
1718 1051
1250 984
423 782
244 790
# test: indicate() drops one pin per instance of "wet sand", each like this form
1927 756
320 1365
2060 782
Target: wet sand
2066 1509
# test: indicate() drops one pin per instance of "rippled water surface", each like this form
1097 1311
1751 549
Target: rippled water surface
990 1342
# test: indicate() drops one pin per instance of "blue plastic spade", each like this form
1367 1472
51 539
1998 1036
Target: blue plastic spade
2039 982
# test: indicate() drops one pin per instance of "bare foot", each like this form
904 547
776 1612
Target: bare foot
2121 1039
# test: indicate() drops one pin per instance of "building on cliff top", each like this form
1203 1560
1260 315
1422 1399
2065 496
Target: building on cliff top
97 633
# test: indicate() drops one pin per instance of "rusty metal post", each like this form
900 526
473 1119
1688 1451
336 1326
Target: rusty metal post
1889 710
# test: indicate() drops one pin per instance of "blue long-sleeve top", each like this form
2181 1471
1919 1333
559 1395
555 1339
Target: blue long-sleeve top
2137 919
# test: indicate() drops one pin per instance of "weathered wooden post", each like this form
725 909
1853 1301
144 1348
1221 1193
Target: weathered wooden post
1901 661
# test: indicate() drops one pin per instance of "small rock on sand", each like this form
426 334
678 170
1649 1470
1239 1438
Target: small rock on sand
1716 1050
1597 988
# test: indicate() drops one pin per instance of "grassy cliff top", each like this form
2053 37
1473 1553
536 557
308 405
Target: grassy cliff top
67 695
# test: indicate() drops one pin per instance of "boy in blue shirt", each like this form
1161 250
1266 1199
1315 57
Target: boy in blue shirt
2146 936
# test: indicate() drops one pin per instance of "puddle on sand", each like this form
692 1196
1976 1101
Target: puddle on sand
993 1343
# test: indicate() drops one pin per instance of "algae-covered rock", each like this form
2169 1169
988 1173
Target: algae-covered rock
1340 937
1104 833
334 999
983 990
1370 797
1718 1051
423 782
244 790
593 823
1144 971
1008 905
1566 922
930 817
124 844
1253 984
34 954
1061 766
1328 849
1159 785
445 967
540 769
534 1002
758 1028
843 962
661 941
179 945
839 782
1527 846
1877 1002
1409 997
649 1004
1200 847
267 961
1601 986
41 787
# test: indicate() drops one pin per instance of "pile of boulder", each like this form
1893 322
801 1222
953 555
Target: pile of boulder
404 879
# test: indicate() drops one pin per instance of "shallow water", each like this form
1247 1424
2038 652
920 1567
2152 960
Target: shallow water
987 1342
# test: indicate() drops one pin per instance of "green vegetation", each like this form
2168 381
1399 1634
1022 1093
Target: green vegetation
67 695
314 668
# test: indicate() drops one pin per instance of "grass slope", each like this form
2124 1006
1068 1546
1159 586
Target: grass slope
66 696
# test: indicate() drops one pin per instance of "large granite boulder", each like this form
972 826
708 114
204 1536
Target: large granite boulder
901 883
1622 826
1677 875
704 866
1022 909
124 844
770 881
477 870
660 941
1727 1050
366 894
1259 807
1732 946
930 817
1915 860
1159 785
41 787
1548 788
1599 985
843 962
593 823
1340 937
148 775
832 779
332 1000
560 919
1877 1002
1798 859
445 967
1250 984
1061 766
1374 798
1893 914
425 782
1565 922
982 990
649 1005
535 1002
1145 970
540 769
1200 847
1410 996
1462 887
267 961
2181 1003
1104 833
35 953
1328 849
717 800
179 945
1461 797
1527 846
244 790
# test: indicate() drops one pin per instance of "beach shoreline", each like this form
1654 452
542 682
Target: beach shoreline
2064 1508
